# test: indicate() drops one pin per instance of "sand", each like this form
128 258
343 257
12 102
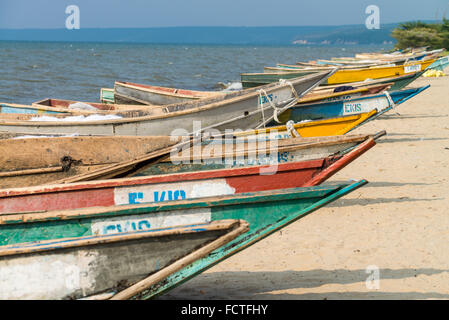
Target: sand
399 223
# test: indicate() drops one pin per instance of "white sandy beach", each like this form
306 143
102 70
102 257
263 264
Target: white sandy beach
399 222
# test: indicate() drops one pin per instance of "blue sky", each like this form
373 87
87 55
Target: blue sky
20 14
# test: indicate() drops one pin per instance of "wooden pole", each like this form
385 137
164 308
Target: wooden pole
181 263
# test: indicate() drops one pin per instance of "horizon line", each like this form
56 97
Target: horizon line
205 26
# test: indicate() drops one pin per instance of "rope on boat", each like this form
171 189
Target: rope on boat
391 102
291 129
263 92
283 81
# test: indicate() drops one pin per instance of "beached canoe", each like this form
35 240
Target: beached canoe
65 159
416 55
79 107
178 186
135 93
441 64
397 83
251 80
342 76
265 211
382 102
98 266
245 109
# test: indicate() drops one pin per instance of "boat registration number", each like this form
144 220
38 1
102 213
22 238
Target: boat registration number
413 68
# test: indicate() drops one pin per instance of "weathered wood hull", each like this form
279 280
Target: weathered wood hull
380 102
42 160
73 268
251 80
160 188
265 211
238 110
85 155
134 93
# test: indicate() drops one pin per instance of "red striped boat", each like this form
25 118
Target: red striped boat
177 186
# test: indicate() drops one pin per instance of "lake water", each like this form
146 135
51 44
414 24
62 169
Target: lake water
31 71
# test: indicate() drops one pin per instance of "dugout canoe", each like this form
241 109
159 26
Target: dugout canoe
264 211
97 266
382 102
71 159
342 76
135 93
178 186
244 110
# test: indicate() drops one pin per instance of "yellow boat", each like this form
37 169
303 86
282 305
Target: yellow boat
317 128
355 75
342 76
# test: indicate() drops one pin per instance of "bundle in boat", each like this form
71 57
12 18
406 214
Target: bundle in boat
25 235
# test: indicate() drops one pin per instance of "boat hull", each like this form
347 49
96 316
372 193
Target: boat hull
379 102
177 186
242 110
74 268
266 212
342 76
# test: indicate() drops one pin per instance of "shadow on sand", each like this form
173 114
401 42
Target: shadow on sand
258 285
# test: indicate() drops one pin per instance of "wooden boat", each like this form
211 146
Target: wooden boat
77 107
177 186
397 83
246 109
265 211
440 64
388 56
61 108
134 93
342 76
69 159
107 95
382 102
98 266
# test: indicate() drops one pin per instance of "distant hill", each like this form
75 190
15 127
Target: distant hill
326 35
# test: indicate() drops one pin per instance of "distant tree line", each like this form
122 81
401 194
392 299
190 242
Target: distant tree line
421 34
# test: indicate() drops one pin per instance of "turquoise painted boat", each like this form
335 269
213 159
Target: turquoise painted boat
14 108
440 64
265 211
382 102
